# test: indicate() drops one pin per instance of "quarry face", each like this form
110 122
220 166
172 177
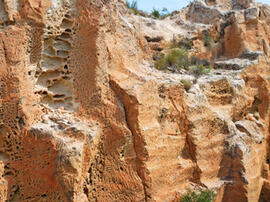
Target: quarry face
86 116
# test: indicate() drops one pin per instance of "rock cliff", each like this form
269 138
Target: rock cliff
85 116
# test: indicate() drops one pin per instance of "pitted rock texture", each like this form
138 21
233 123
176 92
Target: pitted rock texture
84 115
55 82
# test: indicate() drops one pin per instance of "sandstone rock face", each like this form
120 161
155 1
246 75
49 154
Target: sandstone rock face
84 115
242 4
199 12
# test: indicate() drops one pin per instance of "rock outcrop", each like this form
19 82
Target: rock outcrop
84 115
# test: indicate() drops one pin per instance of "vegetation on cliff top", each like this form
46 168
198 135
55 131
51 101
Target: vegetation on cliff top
203 196
156 13
177 58
133 7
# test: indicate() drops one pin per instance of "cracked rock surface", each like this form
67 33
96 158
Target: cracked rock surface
85 116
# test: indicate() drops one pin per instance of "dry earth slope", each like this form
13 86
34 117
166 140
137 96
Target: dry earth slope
84 115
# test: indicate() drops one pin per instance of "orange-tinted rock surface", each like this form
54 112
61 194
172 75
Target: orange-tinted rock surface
84 115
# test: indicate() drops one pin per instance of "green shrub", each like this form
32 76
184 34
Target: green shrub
199 70
178 58
158 56
164 13
203 196
207 39
132 5
161 62
187 84
174 56
155 13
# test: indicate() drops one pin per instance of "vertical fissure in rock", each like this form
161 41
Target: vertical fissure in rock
189 150
138 142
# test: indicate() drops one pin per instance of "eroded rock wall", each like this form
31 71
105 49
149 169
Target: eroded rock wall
84 116
64 132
